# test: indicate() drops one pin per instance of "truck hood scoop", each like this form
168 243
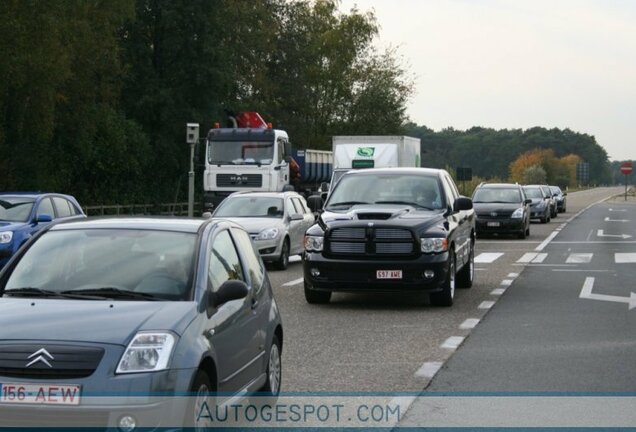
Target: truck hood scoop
374 215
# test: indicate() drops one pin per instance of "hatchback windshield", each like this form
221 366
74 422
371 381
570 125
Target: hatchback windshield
533 192
15 209
497 195
113 263
250 206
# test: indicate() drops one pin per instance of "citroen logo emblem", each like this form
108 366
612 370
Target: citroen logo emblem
40 355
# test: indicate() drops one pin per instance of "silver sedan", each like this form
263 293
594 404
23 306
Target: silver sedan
276 221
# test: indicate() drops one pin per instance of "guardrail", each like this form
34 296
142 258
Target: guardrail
166 209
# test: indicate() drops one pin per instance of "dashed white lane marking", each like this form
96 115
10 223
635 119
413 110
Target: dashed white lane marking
488 257
294 282
453 342
470 323
506 282
429 369
579 258
513 275
498 291
486 304
532 257
623 258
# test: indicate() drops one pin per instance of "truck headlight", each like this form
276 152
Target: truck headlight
6 237
147 352
267 234
517 214
433 245
314 243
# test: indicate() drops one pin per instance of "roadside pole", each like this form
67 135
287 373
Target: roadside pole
192 136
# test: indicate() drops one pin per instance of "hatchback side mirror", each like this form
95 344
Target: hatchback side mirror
43 218
527 201
228 291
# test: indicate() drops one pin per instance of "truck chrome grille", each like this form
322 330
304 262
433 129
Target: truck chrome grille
370 241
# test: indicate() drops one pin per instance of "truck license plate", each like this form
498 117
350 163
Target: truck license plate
46 394
388 274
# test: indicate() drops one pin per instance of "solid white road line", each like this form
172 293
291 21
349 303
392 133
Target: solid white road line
486 304
547 241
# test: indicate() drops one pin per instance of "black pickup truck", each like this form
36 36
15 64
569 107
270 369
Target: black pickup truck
392 230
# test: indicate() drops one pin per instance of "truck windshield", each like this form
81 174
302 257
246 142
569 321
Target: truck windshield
240 152
422 191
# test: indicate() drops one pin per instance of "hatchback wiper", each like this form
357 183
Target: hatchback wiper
38 292
347 203
414 204
113 293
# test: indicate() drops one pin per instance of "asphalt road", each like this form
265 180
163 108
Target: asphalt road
387 343
565 323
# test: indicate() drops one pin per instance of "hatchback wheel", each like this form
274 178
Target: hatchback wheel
274 369
197 401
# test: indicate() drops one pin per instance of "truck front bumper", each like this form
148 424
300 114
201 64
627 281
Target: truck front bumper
351 275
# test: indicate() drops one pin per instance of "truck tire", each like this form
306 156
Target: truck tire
316 297
446 296
466 275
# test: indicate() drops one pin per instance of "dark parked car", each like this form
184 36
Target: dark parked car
551 198
560 198
135 307
24 214
392 230
540 207
502 208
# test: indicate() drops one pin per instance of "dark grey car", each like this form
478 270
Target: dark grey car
135 307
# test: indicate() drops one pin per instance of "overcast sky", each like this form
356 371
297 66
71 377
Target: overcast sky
518 64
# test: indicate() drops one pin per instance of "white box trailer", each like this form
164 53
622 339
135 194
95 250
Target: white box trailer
373 151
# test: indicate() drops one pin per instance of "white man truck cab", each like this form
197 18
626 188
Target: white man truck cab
251 158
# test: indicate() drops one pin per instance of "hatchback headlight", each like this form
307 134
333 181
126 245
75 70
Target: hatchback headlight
147 352
268 234
6 237
314 243
517 214
433 245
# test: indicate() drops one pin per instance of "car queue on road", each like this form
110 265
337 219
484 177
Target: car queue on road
190 283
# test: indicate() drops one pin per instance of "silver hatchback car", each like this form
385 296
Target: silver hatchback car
276 221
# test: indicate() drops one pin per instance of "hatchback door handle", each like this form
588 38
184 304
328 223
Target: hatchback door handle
254 303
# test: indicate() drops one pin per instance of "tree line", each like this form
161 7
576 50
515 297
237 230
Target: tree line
95 94
505 155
